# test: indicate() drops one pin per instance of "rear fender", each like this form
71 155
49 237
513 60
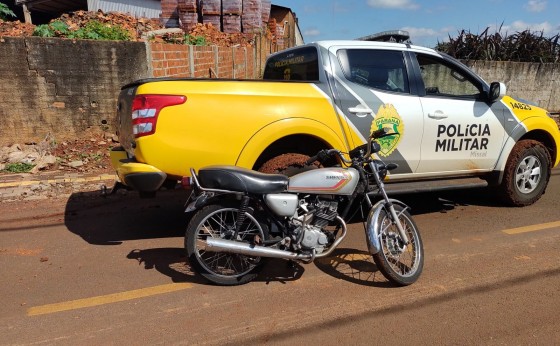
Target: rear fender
283 128
373 224
198 200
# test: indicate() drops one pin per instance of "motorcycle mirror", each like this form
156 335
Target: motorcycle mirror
375 147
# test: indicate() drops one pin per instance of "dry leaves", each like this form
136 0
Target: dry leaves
16 28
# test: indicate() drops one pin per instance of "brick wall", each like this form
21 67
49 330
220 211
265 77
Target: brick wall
170 60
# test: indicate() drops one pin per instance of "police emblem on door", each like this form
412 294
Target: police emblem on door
387 117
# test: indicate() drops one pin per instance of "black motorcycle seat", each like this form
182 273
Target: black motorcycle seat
240 179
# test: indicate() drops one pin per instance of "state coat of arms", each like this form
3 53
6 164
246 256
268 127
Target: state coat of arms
387 117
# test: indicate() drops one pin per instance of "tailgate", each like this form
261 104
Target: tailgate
124 118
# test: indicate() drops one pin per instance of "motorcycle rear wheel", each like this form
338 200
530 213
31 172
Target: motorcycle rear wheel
219 221
400 265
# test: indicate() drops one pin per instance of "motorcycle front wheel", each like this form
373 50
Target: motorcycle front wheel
219 221
401 264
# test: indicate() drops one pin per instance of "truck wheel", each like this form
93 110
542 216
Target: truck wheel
288 164
526 174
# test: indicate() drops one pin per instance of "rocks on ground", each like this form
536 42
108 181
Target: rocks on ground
88 154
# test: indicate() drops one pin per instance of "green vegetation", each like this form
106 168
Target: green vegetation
93 30
525 46
5 12
195 40
186 39
18 167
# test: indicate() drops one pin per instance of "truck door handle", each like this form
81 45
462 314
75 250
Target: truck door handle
437 115
360 110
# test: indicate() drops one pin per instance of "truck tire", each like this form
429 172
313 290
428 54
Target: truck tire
288 164
526 173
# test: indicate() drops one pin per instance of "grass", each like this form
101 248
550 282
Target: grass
18 167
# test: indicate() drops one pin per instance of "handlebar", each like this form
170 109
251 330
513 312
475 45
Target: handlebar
325 154
382 132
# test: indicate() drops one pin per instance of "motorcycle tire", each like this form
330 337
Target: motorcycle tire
401 265
219 221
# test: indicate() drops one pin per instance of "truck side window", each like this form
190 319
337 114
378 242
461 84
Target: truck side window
374 68
445 80
297 64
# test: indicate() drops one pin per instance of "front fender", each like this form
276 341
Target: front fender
373 225
283 128
546 126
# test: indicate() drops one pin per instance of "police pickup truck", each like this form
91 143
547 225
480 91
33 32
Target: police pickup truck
454 129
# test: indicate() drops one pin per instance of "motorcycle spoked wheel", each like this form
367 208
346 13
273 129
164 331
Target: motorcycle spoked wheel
399 264
218 221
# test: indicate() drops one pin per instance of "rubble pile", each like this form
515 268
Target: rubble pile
89 154
211 36
75 20
17 29
138 28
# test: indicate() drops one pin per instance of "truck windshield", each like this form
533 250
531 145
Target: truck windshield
300 64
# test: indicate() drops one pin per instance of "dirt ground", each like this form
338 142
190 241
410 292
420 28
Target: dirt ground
113 271
86 155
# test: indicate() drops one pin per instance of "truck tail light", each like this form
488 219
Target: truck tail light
145 111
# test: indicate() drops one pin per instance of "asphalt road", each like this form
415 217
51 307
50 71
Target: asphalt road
89 270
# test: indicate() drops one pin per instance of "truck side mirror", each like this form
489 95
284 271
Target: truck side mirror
496 92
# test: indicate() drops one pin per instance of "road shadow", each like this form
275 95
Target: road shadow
173 262
113 219
355 266
444 201
279 270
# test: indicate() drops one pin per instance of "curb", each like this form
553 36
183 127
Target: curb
71 180
19 187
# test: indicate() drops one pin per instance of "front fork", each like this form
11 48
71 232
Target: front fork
388 203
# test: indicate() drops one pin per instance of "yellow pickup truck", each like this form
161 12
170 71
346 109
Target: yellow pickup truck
455 130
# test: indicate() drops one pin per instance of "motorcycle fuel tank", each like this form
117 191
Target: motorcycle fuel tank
328 181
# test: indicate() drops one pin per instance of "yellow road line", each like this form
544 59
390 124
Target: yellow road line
106 299
532 228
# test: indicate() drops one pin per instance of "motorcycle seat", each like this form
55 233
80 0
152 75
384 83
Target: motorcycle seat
240 179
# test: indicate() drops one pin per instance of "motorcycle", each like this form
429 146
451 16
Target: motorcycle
243 216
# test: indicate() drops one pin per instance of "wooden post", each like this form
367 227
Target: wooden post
27 14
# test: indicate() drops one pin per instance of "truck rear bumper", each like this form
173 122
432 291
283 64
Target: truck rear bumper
136 175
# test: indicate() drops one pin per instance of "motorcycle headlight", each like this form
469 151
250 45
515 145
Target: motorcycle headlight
381 168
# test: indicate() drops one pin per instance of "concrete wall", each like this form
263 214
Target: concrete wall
62 87
538 83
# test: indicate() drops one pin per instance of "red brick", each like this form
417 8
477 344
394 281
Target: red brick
211 7
232 7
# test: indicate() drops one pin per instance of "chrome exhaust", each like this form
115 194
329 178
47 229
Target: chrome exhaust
223 245
231 246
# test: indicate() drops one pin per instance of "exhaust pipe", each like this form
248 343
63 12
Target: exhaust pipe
223 245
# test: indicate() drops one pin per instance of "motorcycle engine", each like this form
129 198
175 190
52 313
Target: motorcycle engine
314 238
320 215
